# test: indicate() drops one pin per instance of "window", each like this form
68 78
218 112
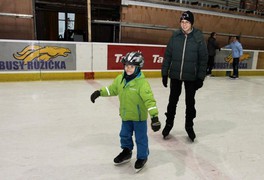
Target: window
65 25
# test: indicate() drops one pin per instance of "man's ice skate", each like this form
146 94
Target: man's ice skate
169 124
123 157
139 164
166 130
190 133
233 77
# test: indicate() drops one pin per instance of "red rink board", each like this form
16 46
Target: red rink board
153 56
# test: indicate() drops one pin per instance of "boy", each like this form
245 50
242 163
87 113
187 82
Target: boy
136 101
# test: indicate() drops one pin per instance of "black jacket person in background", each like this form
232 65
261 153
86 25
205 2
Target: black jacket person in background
185 62
212 45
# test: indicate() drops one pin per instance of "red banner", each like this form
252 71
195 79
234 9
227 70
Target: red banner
153 56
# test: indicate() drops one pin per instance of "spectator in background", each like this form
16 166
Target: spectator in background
212 45
242 4
237 52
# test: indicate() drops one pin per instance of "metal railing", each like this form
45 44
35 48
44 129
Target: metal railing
163 28
256 8
17 15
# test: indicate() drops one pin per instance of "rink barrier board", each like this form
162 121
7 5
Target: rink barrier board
41 76
99 75
241 73
19 77
149 74
67 76
62 76
97 60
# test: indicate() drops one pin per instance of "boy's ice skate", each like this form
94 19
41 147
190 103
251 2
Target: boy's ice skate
123 157
139 164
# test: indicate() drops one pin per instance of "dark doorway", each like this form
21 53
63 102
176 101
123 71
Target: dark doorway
67 20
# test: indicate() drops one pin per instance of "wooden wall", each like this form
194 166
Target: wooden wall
23 28
260 64
14 27
170 18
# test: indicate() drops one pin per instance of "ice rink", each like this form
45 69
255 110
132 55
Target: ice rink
49 130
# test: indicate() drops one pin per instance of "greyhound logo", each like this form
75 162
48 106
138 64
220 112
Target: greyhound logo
244 57
45 53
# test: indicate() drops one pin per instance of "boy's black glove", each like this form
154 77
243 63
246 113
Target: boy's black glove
198 84
95 95
165 81
155 124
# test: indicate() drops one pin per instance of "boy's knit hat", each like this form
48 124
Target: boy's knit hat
187 15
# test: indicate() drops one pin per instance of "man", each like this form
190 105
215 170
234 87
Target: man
237 52
185 61
212 45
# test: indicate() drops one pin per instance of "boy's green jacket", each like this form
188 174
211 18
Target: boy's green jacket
136 98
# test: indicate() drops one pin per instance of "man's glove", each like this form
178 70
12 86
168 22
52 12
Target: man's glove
198 84
155 124
95 95
165 81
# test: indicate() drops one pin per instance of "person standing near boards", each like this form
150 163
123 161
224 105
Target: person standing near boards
212 45
237 52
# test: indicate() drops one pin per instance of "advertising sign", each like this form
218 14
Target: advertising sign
153 56
224 60
37 56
